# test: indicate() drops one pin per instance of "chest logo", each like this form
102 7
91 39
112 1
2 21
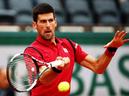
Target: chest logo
65 50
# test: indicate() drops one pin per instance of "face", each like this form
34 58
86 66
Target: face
46 25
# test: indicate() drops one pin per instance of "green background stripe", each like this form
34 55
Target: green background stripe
25 38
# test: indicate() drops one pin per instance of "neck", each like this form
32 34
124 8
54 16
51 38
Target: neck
53 40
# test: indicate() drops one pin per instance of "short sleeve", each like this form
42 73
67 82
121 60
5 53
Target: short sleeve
80 54
32 51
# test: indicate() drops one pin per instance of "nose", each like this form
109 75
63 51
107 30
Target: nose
48 23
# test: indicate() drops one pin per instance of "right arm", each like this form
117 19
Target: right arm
52 73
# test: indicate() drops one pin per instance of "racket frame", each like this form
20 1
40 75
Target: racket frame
48 65
10 64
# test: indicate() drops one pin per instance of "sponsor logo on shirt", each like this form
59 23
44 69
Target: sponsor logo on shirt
65 50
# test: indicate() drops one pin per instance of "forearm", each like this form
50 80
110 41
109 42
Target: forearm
48 76
104 60
98 65
102 63
51 73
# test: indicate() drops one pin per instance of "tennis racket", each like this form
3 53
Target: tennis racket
23 71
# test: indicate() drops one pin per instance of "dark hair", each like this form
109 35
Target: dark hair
41 9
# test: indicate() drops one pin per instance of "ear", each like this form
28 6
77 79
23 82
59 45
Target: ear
55 22
34 25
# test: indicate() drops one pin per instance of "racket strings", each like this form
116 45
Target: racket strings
22 72
14 75
31 69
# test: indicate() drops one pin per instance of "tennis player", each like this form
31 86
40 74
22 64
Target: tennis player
52 48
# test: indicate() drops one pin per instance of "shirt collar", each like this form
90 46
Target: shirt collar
47 43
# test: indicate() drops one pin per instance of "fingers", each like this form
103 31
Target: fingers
118 40
117 33
120 34
59 58
123 35
126 40
66 60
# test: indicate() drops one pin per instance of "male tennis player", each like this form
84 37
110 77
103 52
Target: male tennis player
52 48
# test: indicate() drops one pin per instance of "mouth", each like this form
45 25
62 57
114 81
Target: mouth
48 34
48 31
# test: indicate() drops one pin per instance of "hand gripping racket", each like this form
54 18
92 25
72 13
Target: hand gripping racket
23 72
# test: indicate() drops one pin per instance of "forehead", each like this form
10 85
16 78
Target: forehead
45 16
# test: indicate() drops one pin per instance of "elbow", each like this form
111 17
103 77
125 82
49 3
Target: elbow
99 71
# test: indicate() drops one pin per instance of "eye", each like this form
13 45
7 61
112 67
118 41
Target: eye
43 21
51 20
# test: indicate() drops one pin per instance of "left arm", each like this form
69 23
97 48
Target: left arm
99 65
96 65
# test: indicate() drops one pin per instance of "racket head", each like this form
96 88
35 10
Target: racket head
22 72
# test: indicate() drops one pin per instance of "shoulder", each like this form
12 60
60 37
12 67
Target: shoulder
34 43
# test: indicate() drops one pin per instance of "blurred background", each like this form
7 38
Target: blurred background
86 13
91 23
